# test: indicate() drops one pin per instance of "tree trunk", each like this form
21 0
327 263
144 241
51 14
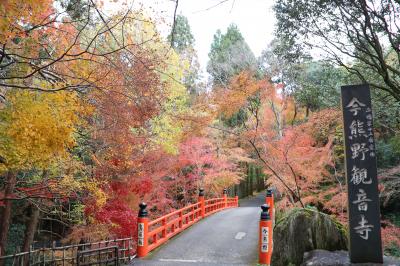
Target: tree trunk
248 180
251 180
30 230
258 174
11 180
295 114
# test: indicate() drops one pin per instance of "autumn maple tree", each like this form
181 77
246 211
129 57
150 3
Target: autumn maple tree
100 111
289 153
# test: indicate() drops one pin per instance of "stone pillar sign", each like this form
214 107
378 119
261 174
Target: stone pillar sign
361 175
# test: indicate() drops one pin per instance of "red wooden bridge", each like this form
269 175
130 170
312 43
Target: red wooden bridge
232 236
152 234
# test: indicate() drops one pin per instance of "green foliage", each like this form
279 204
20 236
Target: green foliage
336 29
253 174
229 55
76 214
279 215
394 218
314 84
388 152
386 113
183 44
75 8
183 37
167 128
277 62
392 250
338 147
236 119
318 85
83 149
311 207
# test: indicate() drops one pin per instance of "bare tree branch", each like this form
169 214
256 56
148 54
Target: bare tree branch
211 7
174 24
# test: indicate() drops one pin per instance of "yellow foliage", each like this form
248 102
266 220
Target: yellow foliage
73 180
98 194
36 128
168 126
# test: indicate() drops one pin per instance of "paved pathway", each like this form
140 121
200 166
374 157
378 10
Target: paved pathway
229 237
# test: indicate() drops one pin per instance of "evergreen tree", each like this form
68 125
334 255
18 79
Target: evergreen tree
229 55
182 37
182 41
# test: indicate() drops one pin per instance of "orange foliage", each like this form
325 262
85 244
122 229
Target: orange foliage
293 155
242 86
17 14
293 160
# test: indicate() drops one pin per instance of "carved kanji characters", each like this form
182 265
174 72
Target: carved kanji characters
362 200
355 106
358 149
356 129
364 228
360 176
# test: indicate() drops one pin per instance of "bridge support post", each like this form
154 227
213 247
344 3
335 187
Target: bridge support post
143 229
225 198
269 200
265 237
202 203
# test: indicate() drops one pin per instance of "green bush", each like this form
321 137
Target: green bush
392 250
395 142
393 218
388 152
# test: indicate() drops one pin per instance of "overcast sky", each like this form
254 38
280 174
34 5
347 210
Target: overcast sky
254 18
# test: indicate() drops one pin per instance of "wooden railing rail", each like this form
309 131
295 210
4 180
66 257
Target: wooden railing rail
68 255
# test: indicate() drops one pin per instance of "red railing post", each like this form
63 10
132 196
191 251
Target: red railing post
180 219
225 198
265 237
202 203
164 231
143 228
269 200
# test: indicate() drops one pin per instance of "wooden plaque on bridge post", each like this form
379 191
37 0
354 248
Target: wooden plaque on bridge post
361 175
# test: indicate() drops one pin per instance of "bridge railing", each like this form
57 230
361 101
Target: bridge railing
70 254
165 227
152 234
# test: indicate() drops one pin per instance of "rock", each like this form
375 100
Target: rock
389 197
339 258
304 230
